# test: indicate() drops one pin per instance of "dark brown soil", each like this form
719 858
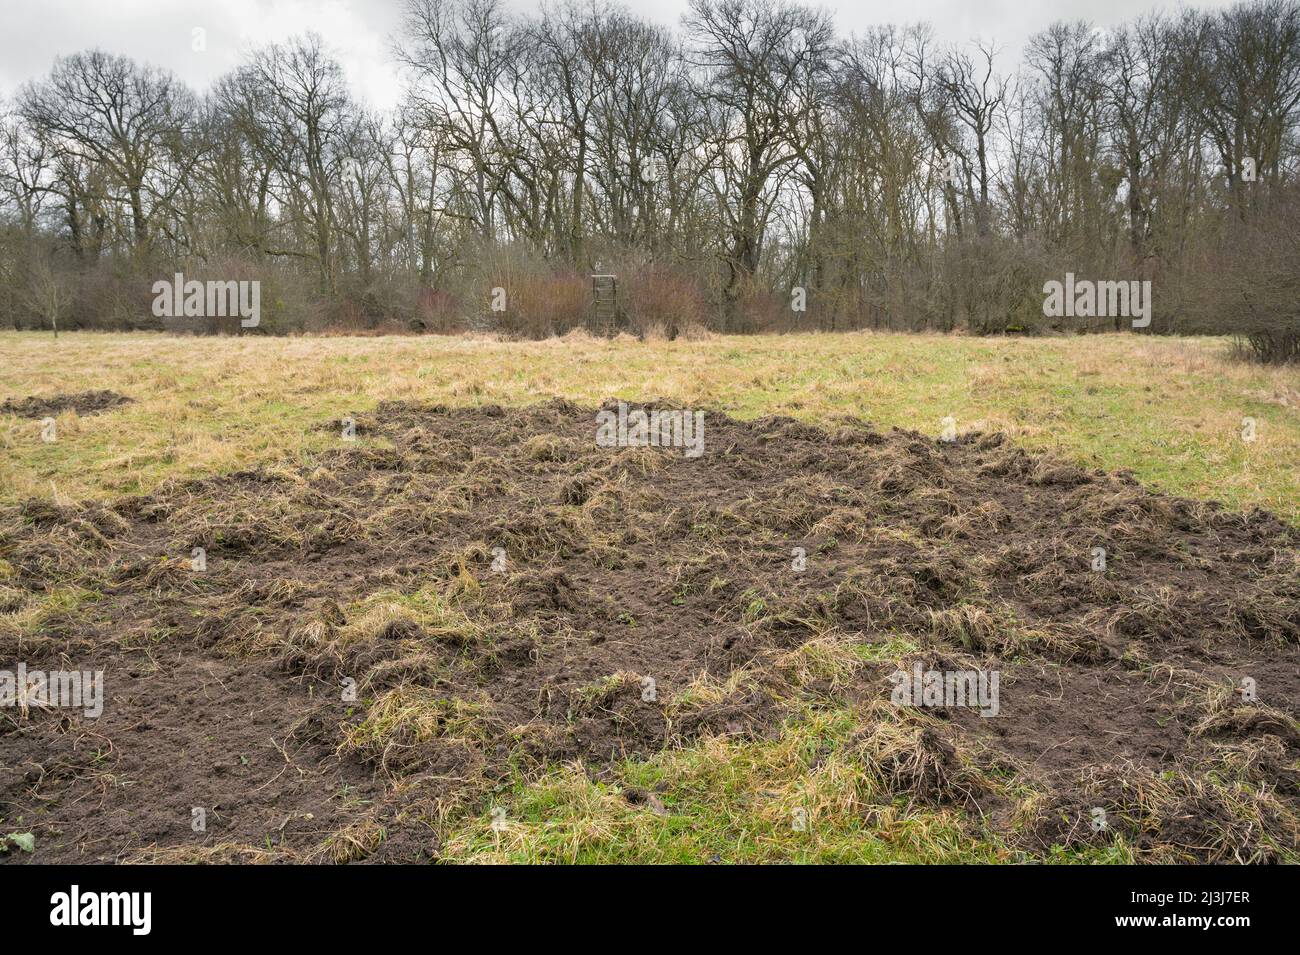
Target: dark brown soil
1119 688
83 402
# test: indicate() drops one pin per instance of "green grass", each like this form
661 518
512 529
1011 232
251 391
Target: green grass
799 798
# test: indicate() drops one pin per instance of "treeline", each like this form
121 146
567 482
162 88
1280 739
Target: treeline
729 172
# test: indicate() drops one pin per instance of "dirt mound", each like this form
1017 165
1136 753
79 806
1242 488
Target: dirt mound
364 647
83 402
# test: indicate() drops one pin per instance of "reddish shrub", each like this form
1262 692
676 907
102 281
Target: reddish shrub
435 311
539 306
659 302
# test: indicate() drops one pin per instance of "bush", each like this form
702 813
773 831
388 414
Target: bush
660 303
539 306
994 286
1250 287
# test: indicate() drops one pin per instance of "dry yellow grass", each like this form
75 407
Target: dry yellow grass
1169 409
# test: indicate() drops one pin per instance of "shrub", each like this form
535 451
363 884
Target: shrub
539 306
1250 287
661 303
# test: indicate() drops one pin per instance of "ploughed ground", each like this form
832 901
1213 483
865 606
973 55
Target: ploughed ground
382 637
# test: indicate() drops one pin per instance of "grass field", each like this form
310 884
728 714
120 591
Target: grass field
1170 411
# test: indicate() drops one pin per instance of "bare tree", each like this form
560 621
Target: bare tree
125 119
751 56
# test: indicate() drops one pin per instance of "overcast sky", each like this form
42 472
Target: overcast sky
34 32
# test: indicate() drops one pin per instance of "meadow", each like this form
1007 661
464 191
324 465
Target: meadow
503 717
1170 410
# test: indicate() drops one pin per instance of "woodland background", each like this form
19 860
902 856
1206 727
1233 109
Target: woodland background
714 168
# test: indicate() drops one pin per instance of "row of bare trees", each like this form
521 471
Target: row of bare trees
750 151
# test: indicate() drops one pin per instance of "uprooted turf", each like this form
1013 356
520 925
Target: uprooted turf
534 626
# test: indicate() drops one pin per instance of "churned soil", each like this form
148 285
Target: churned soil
332 661
83 402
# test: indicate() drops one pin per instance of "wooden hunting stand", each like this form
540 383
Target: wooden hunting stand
604 295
